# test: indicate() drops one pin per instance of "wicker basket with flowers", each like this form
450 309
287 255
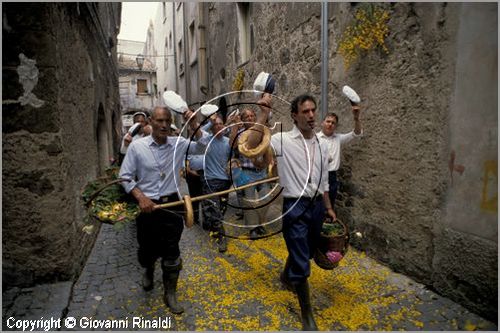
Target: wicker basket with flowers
107 202
333 244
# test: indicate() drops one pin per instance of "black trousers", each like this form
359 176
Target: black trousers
159 233
195 186
333 187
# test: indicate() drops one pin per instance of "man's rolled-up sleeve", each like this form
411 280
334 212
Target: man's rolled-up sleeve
198 146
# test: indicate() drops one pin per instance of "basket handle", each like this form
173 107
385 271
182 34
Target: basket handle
346 233
99 190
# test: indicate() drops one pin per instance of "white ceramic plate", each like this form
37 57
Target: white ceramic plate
260 82
174 102
208 109
351 94
134 129
234 113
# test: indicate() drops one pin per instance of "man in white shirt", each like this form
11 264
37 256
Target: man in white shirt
334 142
302 163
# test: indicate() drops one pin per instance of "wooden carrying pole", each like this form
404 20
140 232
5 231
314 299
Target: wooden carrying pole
207 196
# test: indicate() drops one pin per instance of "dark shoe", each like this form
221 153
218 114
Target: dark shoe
170 278
205 225
148 279
254 234
261 230
222 242
308 322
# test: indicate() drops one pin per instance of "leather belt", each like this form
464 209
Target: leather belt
316 198
166 198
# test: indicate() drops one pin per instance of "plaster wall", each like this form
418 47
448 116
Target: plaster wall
466 244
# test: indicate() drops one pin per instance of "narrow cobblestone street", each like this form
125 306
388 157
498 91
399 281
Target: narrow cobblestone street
388 110
238 290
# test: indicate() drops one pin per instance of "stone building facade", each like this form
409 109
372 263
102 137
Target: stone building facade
60 127
138 88
421 185
179 51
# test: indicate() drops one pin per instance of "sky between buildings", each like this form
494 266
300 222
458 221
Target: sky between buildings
135 20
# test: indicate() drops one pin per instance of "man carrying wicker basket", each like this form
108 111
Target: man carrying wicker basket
302 163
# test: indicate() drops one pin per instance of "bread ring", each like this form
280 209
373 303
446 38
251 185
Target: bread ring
261 148
189 215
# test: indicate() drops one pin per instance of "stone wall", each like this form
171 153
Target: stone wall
413 186
60 125
466 244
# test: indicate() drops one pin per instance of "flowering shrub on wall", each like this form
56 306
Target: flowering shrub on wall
368 31
239 80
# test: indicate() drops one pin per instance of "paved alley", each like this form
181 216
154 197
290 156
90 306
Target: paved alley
237 290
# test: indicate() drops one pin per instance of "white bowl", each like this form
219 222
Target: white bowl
134 129
174 102
351 94
259 85
260 82
234 113
208 109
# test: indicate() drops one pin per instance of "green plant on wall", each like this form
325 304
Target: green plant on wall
239 80
366 32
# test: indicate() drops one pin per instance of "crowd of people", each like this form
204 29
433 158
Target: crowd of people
306 163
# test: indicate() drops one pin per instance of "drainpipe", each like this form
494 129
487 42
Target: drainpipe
202 49
176 70
185 45
324 59
175 49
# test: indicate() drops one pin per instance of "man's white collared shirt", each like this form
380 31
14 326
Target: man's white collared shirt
334 143
302 164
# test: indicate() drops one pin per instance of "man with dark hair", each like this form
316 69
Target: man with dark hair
138 118
215 179
302 162
334 142
152 165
